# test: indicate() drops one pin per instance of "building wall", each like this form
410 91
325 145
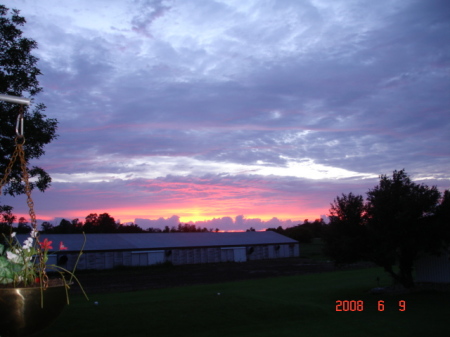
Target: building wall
435 269
176 256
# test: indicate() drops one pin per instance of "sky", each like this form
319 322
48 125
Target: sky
233 114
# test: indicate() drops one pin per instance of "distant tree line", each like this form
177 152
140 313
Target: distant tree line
7 218
104 223
303 233
94 223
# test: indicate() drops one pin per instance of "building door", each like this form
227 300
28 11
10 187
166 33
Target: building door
234 254
240 254
147 258
156 257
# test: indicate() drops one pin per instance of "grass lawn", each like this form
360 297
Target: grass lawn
313 250
284 306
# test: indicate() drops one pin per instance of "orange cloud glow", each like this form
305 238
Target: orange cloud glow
193 200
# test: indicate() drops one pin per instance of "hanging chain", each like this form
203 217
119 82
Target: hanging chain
19 152
25 178
9 167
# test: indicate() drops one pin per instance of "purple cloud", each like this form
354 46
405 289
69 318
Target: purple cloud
274 106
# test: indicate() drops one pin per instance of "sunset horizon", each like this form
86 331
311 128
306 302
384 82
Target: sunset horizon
160 219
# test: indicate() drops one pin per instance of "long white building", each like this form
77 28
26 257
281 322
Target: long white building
106 251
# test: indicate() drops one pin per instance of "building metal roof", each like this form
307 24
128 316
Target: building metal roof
142 241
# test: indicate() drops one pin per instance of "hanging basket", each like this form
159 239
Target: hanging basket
25 311
21 313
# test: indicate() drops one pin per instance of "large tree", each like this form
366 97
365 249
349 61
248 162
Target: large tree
18 77
345 235
102 223
399 221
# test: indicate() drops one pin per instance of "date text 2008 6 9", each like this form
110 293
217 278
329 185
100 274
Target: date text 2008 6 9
359 305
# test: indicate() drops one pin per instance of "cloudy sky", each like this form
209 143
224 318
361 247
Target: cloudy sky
236 113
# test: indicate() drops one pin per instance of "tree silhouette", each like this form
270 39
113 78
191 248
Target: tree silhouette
399 220
303 233
23 227
7 218
47 227
131 228
400 215
345 236
18 77
102 223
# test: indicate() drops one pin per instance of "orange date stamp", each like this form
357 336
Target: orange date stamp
359 305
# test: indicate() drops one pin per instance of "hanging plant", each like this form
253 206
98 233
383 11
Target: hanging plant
30 300
25 265
24 283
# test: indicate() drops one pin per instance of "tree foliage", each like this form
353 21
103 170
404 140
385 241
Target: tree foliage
18 77
103 223
7 218
303 233
345 234
23 227
399 220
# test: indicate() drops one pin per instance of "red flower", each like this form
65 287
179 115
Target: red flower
61 246
46 245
